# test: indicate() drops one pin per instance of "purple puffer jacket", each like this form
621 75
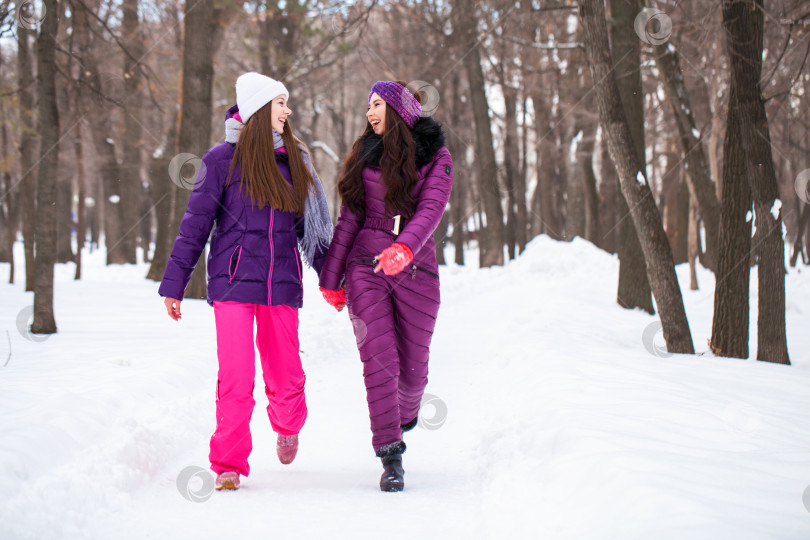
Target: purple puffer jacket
354 241
254 254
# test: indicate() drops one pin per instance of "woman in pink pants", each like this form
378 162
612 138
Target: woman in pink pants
265 203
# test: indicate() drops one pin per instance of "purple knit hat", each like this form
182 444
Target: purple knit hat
399 98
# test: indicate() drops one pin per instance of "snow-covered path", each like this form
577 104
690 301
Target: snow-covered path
549 418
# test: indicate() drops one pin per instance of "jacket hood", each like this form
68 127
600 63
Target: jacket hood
427 134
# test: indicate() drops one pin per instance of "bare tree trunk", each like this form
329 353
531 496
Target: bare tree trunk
806 233
681 249
441 231
64 218
730 320
743 21
28 147
162 190
491 235
278 37
574 191
675 205
459 221
80 183
693 243
699 177
716 105
647 220
544 192
520 185
44 321
608 201
511 162
440 238
131 189
110 201
798 243
8 217
457 214
197 104
634 285
536 208
161 183
145 223
587 177
110 171
562 136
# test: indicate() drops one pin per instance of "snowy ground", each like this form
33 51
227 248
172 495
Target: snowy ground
550 418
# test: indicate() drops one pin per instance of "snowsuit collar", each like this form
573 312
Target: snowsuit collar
427 134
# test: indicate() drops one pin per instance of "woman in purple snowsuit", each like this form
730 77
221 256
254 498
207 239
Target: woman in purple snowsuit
381 263
260 193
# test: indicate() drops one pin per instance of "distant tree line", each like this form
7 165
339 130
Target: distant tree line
665 132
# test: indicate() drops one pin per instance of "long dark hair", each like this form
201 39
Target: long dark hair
260 175
398 164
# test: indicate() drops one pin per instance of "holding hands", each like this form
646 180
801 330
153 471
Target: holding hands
391 261
336 299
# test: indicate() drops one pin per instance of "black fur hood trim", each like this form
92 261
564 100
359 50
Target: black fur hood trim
427 134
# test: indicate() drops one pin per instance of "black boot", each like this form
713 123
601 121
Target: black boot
393 477
410 425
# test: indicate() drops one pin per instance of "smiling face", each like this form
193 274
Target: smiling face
279 113
376 113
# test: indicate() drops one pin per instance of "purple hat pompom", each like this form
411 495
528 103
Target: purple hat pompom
399 98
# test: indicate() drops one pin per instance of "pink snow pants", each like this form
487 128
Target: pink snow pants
277 341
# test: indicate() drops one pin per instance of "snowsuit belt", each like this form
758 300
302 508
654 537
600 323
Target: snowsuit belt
391 225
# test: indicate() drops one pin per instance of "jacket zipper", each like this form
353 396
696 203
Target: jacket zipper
428 272
413 267
272 259
297 264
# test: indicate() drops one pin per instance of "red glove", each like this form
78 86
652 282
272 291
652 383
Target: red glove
394 259
336 299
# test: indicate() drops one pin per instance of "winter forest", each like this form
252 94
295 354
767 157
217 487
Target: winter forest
627 231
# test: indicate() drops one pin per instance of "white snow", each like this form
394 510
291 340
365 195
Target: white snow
559 422
640 178
571 24
695 133
572 148
775 207
110 141
115 199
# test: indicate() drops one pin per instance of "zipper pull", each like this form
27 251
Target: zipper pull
413 275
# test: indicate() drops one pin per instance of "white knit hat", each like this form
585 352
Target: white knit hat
254 91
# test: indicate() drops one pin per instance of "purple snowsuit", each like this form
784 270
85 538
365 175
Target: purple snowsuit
393 316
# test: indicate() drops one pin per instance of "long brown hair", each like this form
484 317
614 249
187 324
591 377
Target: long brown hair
260 175
398 164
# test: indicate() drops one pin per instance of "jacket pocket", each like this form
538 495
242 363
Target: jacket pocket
363 261
233 264
297 262
416 269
